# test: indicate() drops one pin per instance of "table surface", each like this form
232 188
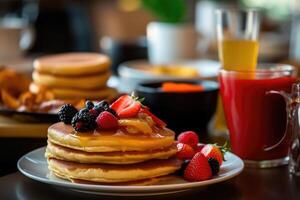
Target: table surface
275 183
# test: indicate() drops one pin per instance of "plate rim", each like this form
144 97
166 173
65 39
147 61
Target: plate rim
129 189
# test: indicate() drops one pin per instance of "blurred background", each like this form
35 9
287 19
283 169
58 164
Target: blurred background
118 27
135 34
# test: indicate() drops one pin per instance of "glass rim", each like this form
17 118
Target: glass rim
238 9
276 68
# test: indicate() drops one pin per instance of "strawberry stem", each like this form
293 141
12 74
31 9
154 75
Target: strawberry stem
225 148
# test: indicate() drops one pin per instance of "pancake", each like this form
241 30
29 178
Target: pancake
95 141
72 64
128 157
107 173
67 93
144 182
83 82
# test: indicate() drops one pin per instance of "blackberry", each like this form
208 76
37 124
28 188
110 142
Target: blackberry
185 163
84 121
214 165
66 113
103 104
112 111
89 105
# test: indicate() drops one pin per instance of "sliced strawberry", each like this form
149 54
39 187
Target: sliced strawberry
158 121
198 169
126 106
185 151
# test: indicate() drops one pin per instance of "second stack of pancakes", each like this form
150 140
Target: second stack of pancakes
73 76
111 157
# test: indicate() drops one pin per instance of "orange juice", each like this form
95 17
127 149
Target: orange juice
238 54
235 55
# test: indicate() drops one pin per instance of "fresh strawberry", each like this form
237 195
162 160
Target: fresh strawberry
107 121
198 169
214 151
126 106
189 137
158 121
185 151
199 147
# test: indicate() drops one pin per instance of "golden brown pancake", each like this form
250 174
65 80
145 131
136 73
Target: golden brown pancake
119 158
101 141
95 81
67 93
72 64
109 173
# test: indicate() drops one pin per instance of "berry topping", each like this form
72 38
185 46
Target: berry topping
189 137
107 121
214 151
185 151
158 121
214 166
66 113
185 163
89 105
83 121
199 148
198 169
102 105
126 106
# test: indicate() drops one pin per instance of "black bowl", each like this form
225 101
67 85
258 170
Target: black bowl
181 111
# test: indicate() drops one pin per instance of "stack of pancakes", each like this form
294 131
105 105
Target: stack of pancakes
111 157
73 76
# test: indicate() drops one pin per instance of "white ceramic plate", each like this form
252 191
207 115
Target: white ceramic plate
131 73
34 166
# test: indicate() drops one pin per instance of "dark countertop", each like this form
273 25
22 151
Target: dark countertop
275 183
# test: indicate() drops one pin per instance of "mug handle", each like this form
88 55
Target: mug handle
287 98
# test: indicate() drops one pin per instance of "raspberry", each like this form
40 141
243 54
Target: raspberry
107 121
83 121
66 113
189 137
185 151
214 165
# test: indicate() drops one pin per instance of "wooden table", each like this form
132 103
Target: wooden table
251 184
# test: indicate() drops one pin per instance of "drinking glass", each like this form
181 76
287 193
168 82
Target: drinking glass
237 34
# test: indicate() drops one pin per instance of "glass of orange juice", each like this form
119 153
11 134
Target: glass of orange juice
237 34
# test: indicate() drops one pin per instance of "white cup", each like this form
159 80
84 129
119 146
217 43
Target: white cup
171 42
16 36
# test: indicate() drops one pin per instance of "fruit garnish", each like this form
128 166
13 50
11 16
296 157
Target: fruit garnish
83 121
214 166
184 165
199 148
158 121
126 106
198 169
89 105
215 151
66 113
189 137
107 121
185 151
181 87
135 126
